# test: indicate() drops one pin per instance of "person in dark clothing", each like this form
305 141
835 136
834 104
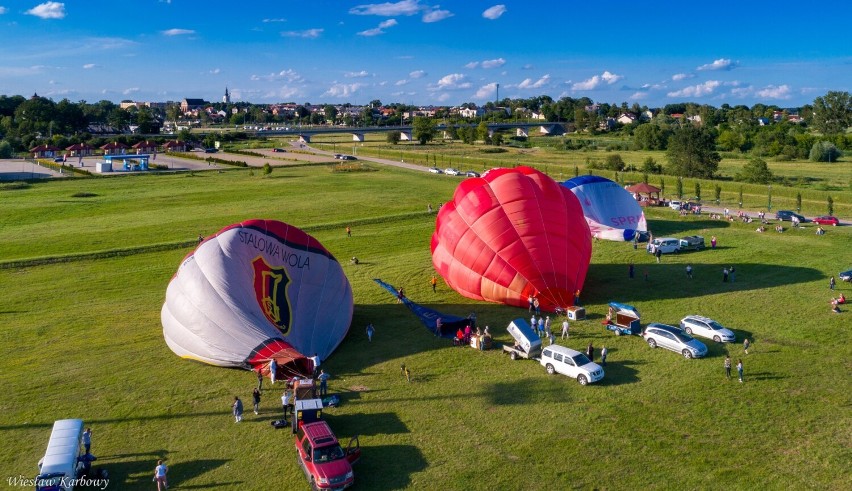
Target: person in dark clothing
590 352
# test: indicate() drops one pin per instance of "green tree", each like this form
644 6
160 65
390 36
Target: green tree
393 137
717 193
741 196
482 132
756 171
330 113
731 140
5 150
614 162
650 136
692 153
662 186
680 187
645 177
824 151
698 190
798 202
650 166
832 112
423 130
267 169
830 203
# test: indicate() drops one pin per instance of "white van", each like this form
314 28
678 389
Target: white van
559 359
58 467
666 245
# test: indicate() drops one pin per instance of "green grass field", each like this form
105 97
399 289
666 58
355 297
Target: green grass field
82 338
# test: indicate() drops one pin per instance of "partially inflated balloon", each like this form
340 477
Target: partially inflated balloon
611 211
256 291
510 234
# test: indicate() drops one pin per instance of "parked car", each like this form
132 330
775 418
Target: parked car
211 150
672 338
471 173
337 156
787 215
451 171
59 159
278 150
675 204
846 276
827 220
559 359
666 245
692 243
707 328
435 170
348 157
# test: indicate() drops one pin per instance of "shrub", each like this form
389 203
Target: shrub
824 151
267 169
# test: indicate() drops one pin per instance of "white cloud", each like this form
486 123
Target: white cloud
400 83
214 71
417 74
131 90
342 90
494 12
48 10
638 95
472 65
497 63
307 33
177 32
595 82
486 91
436 15
13 71
287 92
699 90
443 97
775 92
677 77
379 30
287 75
3 10
529 84
274 20
88 66
720 64
361 74
528 66
388 9
452 81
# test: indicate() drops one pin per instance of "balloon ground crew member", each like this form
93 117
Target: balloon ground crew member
434 283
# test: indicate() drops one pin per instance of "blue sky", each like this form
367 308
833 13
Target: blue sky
423 52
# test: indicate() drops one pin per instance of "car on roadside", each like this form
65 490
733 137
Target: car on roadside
675 204
674 339
846 276
278 150
337 156
451 171
666 245
471 173
696 325
559 359
826 220
211 150
435 170
787 216
348 157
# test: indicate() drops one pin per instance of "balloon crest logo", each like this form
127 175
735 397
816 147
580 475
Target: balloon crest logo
270 290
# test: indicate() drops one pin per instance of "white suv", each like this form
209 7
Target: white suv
675 205
666 245
559 359
672 338
707 328
451 171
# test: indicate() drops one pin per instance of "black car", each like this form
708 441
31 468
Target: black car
786 215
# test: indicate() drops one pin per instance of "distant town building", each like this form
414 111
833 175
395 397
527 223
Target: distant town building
80 150
45 151
114 148
189 105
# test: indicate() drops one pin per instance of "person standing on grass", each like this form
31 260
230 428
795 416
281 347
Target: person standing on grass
273 370
689 271
537 305
434 283
658 253
370 331
746 344
348 231
740 370
87 439
285 402
831 283
323 378
533 324
604 352
237 409
724 275
733 273
728 367
565 328
160 476
530 300
540 326
713 242
631 270
255 396
590 351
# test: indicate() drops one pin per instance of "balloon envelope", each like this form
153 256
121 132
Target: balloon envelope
611 211
513 233
257 290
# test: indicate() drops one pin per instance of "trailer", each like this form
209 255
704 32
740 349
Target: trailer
527 343
622 319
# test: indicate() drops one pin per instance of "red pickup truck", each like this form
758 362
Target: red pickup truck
325 463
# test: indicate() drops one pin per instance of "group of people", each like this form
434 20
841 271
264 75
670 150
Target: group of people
542 328
465 336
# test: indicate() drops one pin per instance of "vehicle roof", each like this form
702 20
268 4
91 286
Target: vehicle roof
562 349
665 327
63 446
698 318
319 432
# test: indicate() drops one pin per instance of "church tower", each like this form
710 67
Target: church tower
227 98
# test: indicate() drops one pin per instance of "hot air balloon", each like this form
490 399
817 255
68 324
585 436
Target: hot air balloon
256 291
612 212
510 234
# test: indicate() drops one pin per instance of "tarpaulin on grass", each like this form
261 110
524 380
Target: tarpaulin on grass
429 317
